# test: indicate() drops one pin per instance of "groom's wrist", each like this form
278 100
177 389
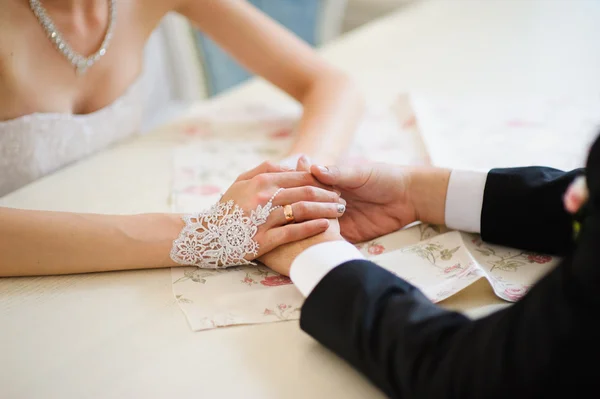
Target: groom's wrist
427 191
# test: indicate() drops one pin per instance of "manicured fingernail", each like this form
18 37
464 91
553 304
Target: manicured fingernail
337 192
342 201
341 208
323 169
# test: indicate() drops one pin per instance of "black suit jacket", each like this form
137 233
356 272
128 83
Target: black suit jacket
546 345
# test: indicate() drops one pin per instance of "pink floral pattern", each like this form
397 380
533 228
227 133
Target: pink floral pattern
282 133
514 293
282 311
248 281
452 268
375 249
540 259
275 281
196 130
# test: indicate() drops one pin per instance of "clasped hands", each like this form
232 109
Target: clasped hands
304 206
379 199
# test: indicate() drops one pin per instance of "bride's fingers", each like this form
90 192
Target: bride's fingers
304 211
289 180
293 232
306 193
265 167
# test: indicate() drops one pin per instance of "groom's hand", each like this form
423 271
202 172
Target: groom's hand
384 198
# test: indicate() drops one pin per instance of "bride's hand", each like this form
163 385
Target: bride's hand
281 258
249 220
312 203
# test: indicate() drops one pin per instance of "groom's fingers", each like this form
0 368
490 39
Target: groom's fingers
345 177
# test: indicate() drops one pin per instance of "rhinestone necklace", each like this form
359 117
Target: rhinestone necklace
80 62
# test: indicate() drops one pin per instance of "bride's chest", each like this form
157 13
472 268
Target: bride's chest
35 77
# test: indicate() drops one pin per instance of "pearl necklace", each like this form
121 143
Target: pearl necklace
80 62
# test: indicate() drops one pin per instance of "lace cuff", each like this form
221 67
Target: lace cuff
221 236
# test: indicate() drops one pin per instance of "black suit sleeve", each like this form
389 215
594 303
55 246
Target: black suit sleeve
523 208
544 346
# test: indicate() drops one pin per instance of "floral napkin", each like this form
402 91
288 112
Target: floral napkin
446 263
440 263
220 143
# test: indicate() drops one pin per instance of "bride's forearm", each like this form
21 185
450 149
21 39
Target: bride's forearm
46 243
333 108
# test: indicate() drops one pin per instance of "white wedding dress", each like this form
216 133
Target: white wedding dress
38 144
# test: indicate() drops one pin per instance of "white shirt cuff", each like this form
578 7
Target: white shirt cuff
464 200
315 262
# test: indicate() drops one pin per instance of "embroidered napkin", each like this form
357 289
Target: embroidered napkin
220 143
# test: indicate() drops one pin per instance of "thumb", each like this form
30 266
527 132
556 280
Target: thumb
303 164
347 177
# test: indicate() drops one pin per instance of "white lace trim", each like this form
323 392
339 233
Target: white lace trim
221 236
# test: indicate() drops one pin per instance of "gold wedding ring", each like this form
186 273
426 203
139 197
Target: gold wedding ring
288 213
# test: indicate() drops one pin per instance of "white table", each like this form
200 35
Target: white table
121 335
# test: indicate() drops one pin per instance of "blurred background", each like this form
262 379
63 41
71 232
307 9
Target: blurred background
193 67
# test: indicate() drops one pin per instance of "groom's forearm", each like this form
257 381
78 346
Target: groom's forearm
428 188
448 197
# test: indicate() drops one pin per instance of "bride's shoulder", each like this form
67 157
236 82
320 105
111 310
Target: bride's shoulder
13 31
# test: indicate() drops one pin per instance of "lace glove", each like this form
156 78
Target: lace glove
221 236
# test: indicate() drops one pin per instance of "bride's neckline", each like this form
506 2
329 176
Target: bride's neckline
65 115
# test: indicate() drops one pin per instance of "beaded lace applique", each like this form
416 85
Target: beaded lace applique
221 236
